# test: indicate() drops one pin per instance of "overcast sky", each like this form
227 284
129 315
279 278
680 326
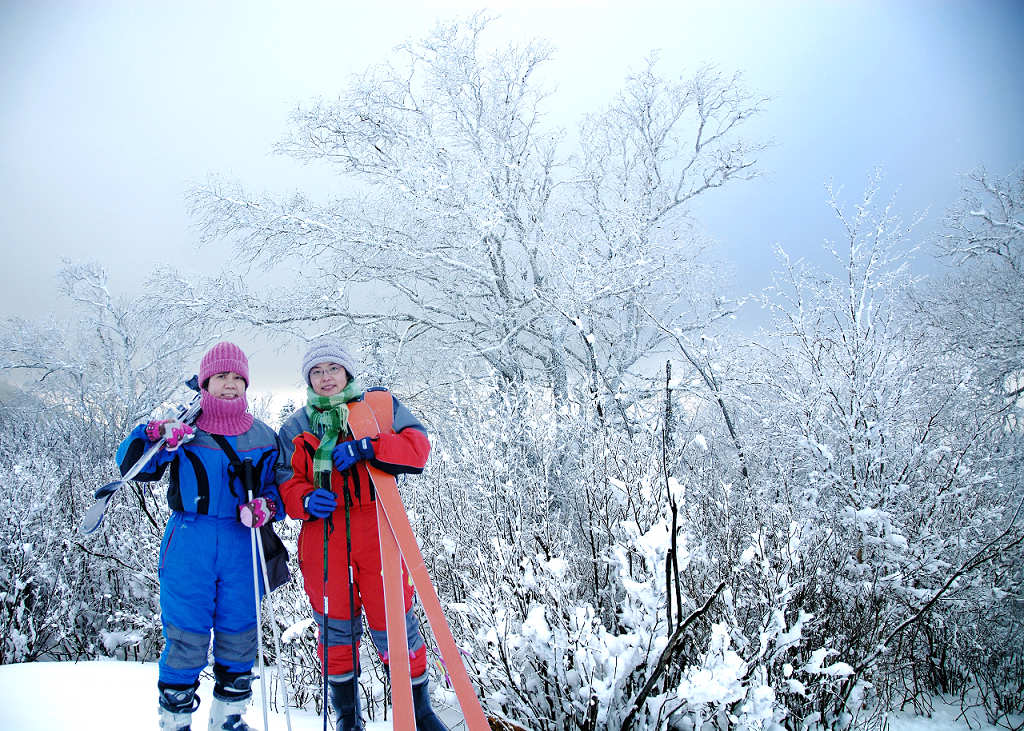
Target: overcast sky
112 110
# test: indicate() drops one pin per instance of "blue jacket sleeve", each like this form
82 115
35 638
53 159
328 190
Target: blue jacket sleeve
268 481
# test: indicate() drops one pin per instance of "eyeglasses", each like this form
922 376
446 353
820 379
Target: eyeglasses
334 371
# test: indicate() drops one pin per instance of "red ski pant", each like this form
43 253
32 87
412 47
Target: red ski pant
344 614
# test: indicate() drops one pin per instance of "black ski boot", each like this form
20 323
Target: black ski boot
231 696
345 701
426 719
176 705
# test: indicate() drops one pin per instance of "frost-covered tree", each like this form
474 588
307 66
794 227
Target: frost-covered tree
644 158
884 497
86 380
973 314
976 308
469 239
563 615
108 364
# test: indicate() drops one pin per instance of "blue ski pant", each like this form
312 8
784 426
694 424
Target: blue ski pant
206 584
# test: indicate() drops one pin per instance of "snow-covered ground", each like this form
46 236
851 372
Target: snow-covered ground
121 696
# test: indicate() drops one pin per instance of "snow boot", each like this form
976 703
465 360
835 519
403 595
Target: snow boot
426 719
176 706
345 701
231 695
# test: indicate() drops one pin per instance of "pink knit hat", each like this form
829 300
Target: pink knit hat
221 358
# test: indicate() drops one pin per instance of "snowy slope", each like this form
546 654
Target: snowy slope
121 696
111 696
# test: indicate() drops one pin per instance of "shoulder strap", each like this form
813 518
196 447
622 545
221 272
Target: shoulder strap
242 471
224 444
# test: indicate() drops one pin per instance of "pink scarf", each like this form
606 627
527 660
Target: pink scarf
224 416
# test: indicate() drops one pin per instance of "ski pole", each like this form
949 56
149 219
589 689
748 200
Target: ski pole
285 691
328 521
351 595
253 545
259 624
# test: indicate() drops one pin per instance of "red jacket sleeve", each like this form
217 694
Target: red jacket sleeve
402 453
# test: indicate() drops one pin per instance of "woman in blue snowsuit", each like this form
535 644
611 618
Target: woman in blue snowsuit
205 564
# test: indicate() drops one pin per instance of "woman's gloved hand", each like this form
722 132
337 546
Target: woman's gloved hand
320 503
348 453
173 432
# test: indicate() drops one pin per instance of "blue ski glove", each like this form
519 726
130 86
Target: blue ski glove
348 453
320 503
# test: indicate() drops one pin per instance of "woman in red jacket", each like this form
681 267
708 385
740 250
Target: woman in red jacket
324 482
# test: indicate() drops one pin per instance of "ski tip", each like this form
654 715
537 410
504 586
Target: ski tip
89 524
94 515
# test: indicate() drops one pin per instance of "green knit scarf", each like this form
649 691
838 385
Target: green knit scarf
328 416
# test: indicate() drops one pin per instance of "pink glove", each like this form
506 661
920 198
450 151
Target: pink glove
172 431
257 512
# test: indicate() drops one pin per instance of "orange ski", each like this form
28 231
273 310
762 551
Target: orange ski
394 611
398 542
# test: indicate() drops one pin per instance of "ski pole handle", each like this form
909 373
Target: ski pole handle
257 513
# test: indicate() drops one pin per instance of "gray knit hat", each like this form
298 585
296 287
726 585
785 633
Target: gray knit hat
328 350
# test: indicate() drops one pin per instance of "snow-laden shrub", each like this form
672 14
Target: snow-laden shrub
63 596
558 575
892 457
37 599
